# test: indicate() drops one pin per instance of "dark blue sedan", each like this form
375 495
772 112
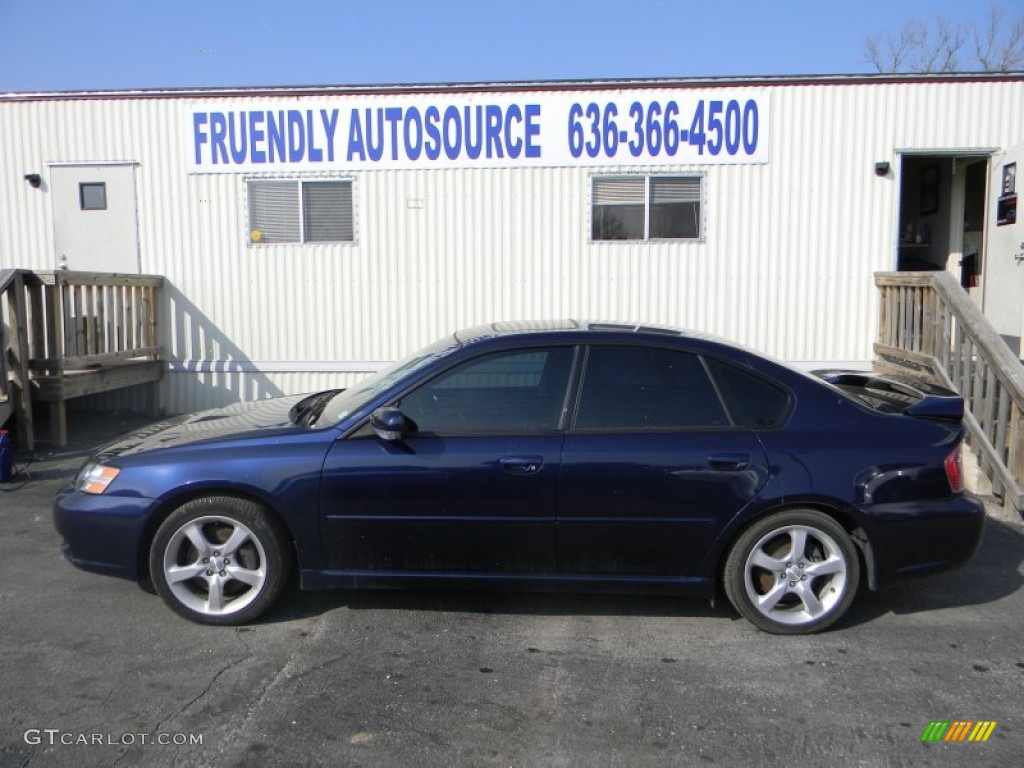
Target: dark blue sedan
561 456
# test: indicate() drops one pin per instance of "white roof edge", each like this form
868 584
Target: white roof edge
512 85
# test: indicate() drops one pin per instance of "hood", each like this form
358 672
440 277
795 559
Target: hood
263 417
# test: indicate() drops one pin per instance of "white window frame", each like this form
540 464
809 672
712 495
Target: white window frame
300 181
702 202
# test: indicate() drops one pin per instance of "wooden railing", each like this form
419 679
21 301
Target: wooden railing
83 319
73 334
14 355
930 327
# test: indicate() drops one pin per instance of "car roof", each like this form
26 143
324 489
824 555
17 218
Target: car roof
582 330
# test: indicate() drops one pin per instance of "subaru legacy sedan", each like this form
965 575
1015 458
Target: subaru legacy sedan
554 456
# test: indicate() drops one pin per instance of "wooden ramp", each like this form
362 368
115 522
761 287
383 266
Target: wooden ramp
74 334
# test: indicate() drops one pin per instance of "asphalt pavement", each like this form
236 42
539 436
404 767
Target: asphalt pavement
95 671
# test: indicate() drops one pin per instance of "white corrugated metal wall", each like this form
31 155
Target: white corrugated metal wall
785 267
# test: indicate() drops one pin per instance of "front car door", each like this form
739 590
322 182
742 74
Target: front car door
472 485
655 463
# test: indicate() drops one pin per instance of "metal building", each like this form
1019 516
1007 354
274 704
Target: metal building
307 235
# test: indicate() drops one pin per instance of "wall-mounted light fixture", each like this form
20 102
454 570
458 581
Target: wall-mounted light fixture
34 179
882 168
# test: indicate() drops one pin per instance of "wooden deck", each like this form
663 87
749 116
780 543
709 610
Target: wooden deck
72 334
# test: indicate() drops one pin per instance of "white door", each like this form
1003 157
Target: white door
94 217
1004 268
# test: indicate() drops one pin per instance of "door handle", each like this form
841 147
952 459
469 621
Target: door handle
729 462
521 465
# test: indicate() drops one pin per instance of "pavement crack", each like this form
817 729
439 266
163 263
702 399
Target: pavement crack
274 680
227 668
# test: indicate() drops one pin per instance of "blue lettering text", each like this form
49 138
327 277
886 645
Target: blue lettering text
238 149
275 136
412 121
532 130
433 144
218 132
199 137
452 145
256 135
330 125
296 136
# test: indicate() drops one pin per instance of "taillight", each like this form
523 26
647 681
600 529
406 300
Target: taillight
955 470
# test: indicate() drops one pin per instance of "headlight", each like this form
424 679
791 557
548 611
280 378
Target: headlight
94 478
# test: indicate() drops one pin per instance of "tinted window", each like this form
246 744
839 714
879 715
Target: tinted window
503 392
752 401
646 388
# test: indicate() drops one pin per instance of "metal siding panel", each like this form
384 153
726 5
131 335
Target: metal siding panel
785 266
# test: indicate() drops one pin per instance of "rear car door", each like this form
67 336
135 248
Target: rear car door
471 487
654 464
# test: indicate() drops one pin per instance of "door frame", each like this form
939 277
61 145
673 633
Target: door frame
134 164
954 197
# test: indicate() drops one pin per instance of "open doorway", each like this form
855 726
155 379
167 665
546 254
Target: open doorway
942 215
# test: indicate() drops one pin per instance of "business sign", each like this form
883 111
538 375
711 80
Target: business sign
511 130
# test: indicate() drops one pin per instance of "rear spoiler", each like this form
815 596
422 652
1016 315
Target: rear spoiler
897 395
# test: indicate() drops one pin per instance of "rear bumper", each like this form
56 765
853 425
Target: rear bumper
101 533
910 539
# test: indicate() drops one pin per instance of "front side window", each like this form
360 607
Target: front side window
642 388
646 207
290 211
511 392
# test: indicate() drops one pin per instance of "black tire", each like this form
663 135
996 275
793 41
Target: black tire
789 592
220 560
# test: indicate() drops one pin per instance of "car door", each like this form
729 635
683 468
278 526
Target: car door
653 466
471 486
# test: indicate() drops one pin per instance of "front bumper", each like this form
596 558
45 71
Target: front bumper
102 533
917 538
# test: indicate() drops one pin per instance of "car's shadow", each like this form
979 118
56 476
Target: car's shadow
993 574
304 605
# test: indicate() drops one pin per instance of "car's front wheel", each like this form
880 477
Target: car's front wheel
793 572
219 560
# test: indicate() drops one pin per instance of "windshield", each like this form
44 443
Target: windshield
346 401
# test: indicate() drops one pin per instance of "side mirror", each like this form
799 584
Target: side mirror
388 423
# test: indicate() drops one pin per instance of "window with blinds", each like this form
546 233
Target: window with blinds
300 211
646 207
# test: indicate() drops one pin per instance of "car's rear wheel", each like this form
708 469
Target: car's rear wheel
793 572
219 560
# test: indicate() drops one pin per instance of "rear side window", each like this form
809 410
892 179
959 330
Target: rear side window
752 401
647 388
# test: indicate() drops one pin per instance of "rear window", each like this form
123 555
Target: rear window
752 401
